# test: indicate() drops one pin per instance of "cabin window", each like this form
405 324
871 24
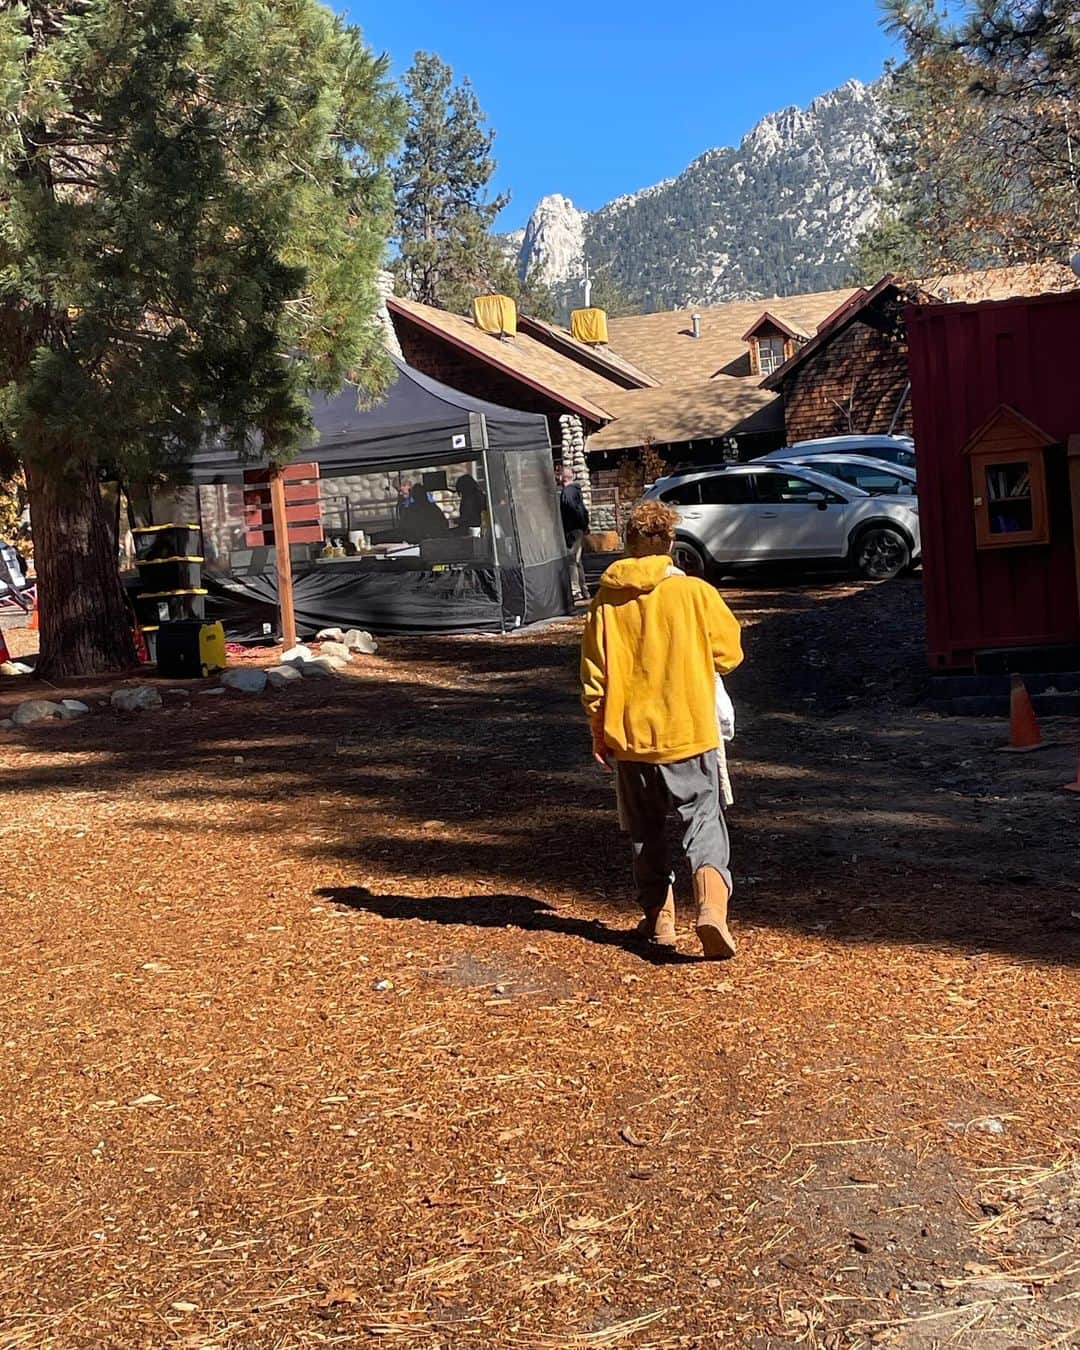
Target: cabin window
1010 498
771 354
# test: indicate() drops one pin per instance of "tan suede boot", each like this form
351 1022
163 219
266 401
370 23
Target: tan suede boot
658 925
711 895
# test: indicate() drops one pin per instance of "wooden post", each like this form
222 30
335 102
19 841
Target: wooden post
284 559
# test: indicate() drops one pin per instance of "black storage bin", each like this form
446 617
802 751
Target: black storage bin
149 610
169 606
170 574
190 649
166 541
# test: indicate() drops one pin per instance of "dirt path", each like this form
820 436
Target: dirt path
321 1024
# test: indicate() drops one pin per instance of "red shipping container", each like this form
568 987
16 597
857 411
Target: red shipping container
974 368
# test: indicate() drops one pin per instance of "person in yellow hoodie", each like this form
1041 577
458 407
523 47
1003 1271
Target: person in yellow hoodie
654 641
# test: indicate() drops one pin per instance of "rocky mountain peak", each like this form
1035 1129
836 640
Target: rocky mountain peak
779 213
554 240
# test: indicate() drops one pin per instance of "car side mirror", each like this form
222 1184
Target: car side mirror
819 500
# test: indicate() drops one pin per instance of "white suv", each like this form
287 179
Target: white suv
749 513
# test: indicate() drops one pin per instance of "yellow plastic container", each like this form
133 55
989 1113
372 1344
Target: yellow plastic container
212 655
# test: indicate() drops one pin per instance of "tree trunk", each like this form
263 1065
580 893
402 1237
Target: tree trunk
84 617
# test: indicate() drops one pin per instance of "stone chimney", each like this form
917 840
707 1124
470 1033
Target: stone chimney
384 284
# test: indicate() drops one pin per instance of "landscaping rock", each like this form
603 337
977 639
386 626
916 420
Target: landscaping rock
358 641
7 724
70 708
330 635
217 689
15 668
297 655
280 677
337 649
245 680
136 698
323 669
36 710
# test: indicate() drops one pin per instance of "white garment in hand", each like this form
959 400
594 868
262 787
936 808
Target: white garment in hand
725 711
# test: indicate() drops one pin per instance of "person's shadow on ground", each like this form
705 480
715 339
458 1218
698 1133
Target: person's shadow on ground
499 911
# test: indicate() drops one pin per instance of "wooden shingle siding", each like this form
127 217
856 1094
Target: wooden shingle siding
853 384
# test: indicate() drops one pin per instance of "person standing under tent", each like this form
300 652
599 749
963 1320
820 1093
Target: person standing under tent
472 503
575 522
654 642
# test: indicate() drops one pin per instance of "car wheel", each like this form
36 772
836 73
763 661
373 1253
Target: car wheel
881 553
689 558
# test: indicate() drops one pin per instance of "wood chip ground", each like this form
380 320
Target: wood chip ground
322 1026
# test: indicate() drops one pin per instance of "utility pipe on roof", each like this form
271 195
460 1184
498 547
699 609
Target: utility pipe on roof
695 324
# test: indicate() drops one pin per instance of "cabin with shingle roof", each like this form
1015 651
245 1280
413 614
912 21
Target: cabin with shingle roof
697 385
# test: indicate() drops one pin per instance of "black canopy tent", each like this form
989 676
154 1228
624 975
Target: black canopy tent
512 572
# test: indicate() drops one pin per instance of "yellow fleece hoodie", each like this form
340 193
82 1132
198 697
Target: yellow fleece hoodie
652 642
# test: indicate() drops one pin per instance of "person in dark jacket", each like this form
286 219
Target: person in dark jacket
423 519
472 503
575 523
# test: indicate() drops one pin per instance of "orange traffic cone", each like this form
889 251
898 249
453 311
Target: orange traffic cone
1073 787
1024 733
32 623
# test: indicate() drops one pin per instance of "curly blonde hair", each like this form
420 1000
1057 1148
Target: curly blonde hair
651 528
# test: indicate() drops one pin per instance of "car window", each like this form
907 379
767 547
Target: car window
683 494
786 488
727 489
891 454
879 482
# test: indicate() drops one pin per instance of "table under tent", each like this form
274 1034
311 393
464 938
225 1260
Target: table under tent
428 512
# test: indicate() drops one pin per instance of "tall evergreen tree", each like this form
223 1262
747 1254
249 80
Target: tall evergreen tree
607 294
532 294
996 179
194 202
446 253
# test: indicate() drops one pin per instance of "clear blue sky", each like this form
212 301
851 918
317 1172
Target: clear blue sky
597 98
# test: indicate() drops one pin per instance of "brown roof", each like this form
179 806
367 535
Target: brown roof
836 323
997 283
551 335
559 377
769 320
664 344
675 413
1003 283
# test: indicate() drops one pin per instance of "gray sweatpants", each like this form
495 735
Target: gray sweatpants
646 794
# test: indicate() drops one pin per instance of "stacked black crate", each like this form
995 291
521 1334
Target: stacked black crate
169 559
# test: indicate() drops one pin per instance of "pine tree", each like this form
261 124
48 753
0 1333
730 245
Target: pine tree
997 178
193 206
446 254
533 295
607 294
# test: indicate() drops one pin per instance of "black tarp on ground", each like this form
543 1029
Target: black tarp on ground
419 423
403 603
